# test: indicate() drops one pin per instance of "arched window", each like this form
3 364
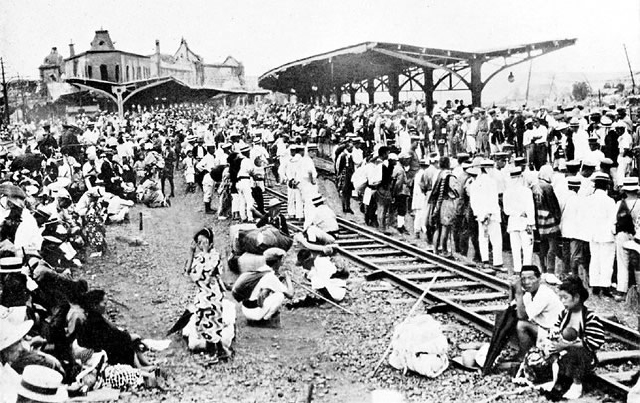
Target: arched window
138 76
128 74
89 72
104 72
117 73
75 68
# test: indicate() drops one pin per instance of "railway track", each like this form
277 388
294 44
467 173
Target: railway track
469 294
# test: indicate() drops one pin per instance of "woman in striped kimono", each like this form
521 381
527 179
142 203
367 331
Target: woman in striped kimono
577 357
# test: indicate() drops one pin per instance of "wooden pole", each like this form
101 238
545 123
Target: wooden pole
415 306
307 289
141 225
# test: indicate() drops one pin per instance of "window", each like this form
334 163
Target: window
104 73
89 72
117 73
138 73
75 68
128 74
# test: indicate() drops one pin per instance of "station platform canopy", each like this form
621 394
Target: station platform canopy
169 89
379 66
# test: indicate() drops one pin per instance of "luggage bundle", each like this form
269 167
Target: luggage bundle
249 242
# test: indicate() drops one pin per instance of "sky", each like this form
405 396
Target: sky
266 34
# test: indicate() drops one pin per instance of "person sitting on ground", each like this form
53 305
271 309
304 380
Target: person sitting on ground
537 305
577 357
323 274
261 292
320 224
274 217
92 330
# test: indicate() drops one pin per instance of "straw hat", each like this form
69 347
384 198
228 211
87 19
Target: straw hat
10 265
274 203
42 384
11 332
630 184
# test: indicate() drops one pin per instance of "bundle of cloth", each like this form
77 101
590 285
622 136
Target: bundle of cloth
419 345
248 244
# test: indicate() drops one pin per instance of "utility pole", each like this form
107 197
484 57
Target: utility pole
4 93
633 81
526 97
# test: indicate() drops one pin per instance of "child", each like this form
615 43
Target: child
189 172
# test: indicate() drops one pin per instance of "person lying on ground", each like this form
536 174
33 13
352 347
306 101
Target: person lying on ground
323 275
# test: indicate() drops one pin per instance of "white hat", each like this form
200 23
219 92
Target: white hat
11 332
42 384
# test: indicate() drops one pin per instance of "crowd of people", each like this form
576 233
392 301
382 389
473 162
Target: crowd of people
564 181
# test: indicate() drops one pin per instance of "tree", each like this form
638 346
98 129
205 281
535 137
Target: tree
580 91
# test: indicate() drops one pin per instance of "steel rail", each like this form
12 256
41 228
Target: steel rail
617 331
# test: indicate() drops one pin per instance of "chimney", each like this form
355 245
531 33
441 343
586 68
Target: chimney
72 51
157 47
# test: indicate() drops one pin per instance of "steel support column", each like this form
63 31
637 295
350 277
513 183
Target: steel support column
394 88
476 82
371 90
352 95
428 88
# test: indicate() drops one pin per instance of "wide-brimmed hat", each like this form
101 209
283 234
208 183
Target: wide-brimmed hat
42 384
630 184
274 203
10 264
600 177
11 332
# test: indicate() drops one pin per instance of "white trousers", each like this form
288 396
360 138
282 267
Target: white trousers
207 188
622 257
295 206
490 232
270 306
245 198
235 203
601 265
521 248
420 222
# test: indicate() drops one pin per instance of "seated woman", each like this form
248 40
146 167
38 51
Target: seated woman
92 330
261 292
150 193
578 357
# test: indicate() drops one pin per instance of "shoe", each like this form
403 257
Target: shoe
168 202
574 392
607 293
349 211
547 386
551 278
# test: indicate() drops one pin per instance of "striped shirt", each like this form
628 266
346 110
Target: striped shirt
592 331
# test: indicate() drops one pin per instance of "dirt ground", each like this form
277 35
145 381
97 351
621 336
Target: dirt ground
319 347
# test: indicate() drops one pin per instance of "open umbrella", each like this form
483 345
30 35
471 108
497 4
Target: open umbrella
503 328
